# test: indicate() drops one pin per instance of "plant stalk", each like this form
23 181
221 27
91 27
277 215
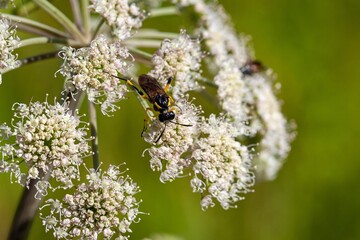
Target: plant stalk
94 135
29 205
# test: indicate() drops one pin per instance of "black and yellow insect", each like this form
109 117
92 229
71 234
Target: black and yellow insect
156 95
252 67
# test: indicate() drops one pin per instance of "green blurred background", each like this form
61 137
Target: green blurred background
313 46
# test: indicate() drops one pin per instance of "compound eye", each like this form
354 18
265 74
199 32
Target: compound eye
246 70
171 115
166 116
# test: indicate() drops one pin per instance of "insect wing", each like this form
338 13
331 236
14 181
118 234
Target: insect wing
151 87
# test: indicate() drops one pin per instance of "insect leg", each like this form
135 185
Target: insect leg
144 127
171 101
147 119
151 110
166 88
128 81
136 89
176 110
162 132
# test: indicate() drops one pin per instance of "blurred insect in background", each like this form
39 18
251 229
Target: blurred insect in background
251 67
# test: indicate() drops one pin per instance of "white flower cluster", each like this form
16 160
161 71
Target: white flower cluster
211 149
105 205
120 15
49 140
229 54
172 155
91 68
179 58
230 92
222 165
276 139
249 100
208 150
8 42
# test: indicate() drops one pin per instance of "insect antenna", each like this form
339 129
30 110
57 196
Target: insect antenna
121 78
181 124
128 81
162 132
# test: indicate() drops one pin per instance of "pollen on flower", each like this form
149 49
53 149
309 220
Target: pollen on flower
105 205
120 15
90 69
222 167
207 150
219 35
249 101
48 140
227 52
8 42
171 155
179 58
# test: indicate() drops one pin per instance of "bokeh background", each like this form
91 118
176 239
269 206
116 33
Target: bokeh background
313 46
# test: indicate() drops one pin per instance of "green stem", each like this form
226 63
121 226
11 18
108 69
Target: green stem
153 33
86 17
33 41
94 135
98 27
143 43
25 9
29 205
26 210
140 53
35 27
40 40
208 82
75 100
165 11
62 19
75 7
39 57
141 56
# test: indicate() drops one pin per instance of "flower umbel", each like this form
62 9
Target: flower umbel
208 151
105 205
213 116
179 58
171 157
89 69
8 42
273 127
120 15
222 168
48 139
